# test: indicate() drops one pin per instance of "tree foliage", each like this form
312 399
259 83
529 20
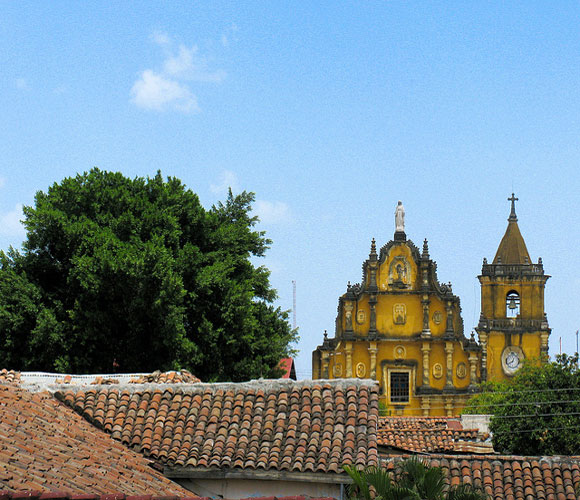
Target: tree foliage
538 411
412 480
136 274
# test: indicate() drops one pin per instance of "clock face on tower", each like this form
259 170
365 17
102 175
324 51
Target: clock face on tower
511 359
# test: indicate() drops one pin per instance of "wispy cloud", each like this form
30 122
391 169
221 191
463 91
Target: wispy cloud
10 224
153 91
187 64
169 87
228 179
229 34
161 38
272 212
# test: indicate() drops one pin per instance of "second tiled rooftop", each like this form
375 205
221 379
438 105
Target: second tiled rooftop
306 426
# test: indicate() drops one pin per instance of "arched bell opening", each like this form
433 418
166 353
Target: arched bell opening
512 304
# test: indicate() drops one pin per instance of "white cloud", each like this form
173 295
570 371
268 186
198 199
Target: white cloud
228 179
21 84
160 38
272 212
10 224
187 64
167 89
155 92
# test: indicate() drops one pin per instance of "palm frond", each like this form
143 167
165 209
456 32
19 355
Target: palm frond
380 480
359 489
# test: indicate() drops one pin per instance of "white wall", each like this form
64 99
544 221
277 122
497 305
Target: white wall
244 488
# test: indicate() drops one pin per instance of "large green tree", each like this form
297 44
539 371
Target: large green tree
538 411
135 275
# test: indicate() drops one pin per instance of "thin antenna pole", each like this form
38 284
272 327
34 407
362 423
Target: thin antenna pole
294 304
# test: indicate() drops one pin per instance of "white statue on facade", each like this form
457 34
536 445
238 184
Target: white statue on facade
400 217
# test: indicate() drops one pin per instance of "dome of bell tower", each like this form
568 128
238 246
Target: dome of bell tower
512 248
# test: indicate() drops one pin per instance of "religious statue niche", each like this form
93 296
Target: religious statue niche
348 308
437 317
360 317
399 314
399 273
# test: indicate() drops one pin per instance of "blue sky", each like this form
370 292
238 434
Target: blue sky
330 113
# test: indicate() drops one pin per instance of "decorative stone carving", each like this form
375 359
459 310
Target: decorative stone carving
473 369
400 352
449 348
360 370
348 315
373 352
399 314
325 356
437 370
461 370
425 303
360 317
437 317
426 349
337 370
449 327
348 352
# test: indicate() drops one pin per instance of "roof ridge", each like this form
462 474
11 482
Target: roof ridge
259 384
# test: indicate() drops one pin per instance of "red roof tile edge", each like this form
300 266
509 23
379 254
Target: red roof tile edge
62 495
513 458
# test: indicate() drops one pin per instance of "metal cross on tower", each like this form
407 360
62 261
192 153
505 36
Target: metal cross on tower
513 216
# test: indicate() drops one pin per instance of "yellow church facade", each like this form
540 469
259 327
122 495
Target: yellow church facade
402 327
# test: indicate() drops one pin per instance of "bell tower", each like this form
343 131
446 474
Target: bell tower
513 324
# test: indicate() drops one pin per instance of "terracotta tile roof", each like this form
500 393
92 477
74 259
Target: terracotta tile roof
45 446
9 376
510 477
306 426
431 435
60 495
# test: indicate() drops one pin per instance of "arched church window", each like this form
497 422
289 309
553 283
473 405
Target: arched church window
512 304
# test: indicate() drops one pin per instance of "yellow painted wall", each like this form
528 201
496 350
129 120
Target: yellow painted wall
529 343
386 352
493 298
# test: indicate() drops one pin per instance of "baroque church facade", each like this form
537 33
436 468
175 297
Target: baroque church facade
402 327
